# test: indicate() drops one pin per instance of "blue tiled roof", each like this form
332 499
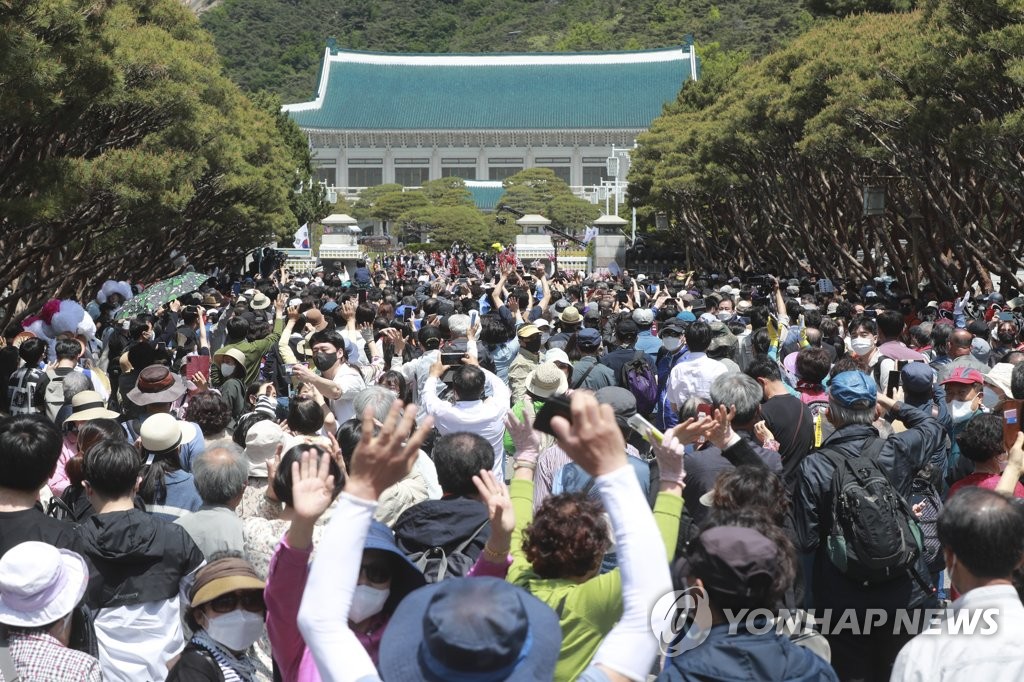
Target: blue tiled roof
368 91
486 197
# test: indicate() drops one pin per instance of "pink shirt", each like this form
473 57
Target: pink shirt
286 580
59 481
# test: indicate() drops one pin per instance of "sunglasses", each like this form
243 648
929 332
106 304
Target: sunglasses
249 600
376 573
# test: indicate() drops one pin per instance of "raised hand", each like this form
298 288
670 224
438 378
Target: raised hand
312 486
494 493
385 459
692 430
720 431
272 464
669 453
1014 467
762 432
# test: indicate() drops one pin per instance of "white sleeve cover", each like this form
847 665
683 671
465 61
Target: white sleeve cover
323 614
631 647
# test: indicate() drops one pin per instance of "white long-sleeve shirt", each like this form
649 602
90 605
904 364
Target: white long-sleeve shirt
943 653
484 417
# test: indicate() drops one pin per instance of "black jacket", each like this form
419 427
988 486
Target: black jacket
445 523
136 558
903 455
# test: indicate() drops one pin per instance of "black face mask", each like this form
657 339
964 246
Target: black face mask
1006 338
531 344
324 361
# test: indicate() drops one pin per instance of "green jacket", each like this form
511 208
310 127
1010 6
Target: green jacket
253 352
586 611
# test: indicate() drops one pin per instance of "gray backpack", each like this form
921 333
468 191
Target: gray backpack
436 564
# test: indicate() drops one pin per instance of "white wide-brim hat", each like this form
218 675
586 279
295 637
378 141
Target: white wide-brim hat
40 584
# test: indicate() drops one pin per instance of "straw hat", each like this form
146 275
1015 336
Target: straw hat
88 405
546 380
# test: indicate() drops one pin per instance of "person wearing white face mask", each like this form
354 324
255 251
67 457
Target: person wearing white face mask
963 398
863 337
673 343
226 613
726 309
231 363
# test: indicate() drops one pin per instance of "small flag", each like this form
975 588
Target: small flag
302 237
589 234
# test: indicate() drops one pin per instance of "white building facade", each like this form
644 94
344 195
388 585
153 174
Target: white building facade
408 118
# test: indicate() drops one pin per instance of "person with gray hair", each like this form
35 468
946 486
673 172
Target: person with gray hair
732 392
73 384
220 475
380 399
737 390
458 335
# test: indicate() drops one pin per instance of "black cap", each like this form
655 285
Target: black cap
730 560
674 326
626 328
978 328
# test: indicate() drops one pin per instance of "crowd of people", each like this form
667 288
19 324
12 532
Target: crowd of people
457 466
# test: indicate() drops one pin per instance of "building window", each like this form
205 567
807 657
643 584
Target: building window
411 177
593 175
464 172
561 171
365 177
502 172
326 175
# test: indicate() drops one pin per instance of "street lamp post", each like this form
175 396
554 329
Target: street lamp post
534 223
610 226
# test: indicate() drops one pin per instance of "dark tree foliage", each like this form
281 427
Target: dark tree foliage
275 45
122 142
765 164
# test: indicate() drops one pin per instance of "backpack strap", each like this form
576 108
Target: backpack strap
874 450
468 541
59 509
577 384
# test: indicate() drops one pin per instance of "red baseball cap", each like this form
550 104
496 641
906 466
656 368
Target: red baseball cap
965 375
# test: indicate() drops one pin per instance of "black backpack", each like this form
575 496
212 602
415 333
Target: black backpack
874 536
21 391
436 564
639 377
924 492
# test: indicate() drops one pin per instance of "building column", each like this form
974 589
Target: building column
435 163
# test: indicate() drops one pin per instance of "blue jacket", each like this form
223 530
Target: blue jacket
744 656
664 416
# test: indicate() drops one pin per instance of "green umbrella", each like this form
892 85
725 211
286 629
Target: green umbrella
155 295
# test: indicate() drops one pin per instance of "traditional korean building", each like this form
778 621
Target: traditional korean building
407 118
